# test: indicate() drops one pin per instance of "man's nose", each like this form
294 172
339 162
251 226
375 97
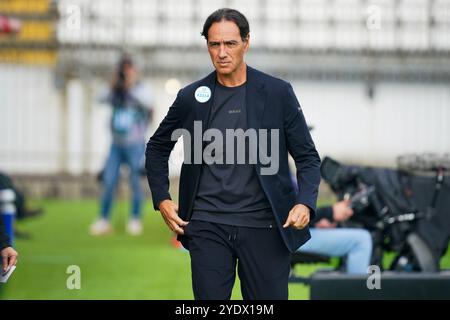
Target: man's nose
222 51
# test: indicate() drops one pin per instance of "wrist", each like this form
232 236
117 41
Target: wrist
161 202
303 208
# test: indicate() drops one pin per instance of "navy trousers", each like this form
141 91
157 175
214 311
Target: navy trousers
260 255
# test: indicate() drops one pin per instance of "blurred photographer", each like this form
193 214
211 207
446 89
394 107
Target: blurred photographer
131 104
327 238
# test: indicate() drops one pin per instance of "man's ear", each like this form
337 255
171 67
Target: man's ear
247 43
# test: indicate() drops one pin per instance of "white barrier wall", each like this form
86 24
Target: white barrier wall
29 120
348 125
401 118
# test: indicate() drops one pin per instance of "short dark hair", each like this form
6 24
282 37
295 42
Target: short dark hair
229 15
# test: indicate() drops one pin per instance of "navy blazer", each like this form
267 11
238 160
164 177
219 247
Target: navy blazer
271 104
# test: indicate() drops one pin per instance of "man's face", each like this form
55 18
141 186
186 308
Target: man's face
226 47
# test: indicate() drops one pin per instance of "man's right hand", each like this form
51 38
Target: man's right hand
169 211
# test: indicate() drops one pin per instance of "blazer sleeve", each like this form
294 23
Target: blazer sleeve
302 149
4 239
158 152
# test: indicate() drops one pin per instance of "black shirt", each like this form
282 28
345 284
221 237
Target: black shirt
231 193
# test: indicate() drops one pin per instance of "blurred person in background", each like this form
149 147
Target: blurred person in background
9 255
23 211
354 244
131 103
327 238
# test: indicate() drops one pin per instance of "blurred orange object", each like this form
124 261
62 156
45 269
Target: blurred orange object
175 243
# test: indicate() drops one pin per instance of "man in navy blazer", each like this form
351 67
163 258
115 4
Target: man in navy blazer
233 214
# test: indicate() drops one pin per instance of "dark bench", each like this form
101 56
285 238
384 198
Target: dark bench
304 258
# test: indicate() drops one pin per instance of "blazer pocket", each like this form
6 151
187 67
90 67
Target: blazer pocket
187 228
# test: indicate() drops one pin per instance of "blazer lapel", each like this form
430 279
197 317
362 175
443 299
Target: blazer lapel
203 110
256 100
